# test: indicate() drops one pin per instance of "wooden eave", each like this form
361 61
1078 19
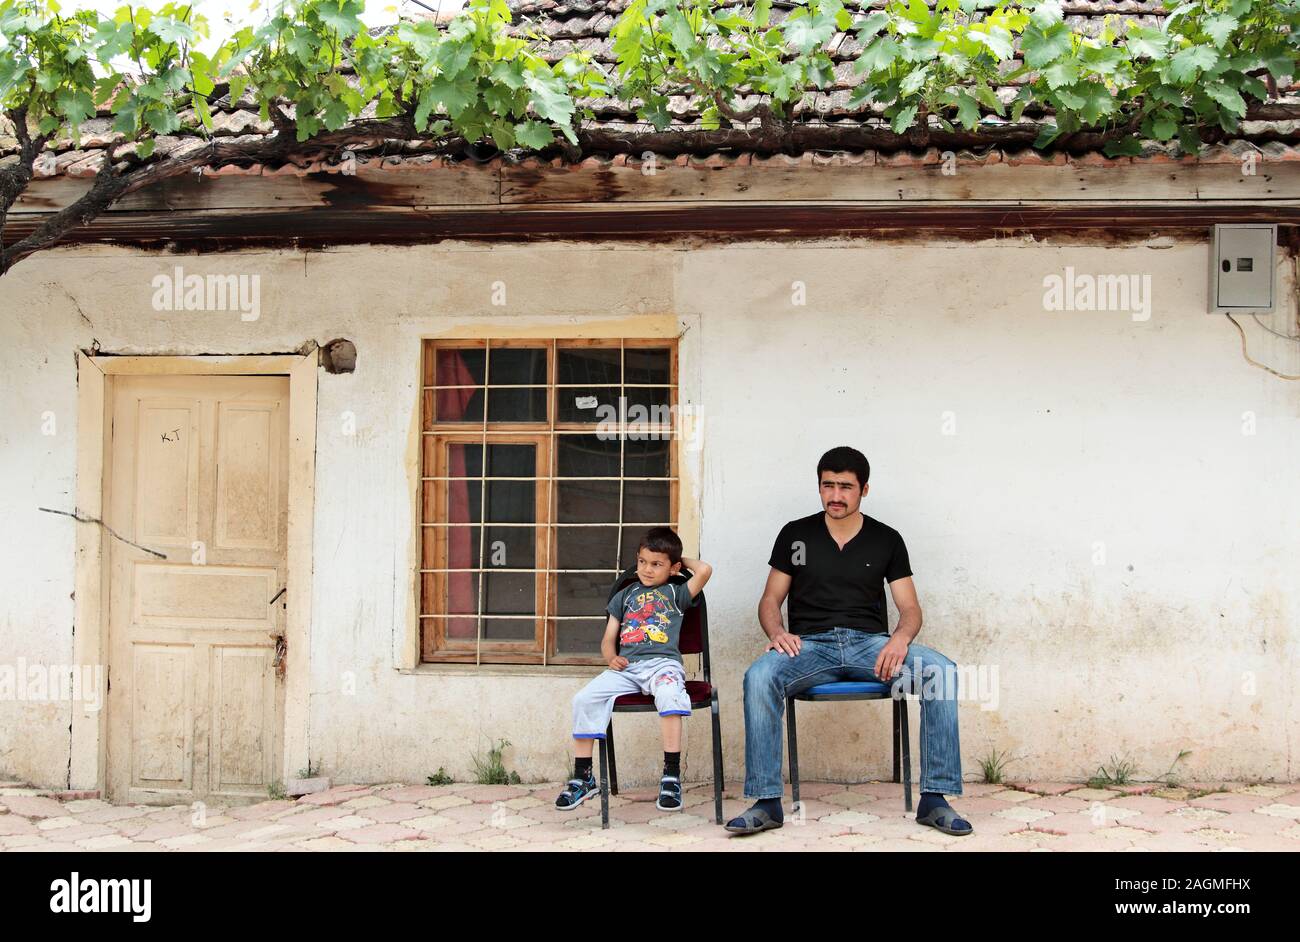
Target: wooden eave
422 199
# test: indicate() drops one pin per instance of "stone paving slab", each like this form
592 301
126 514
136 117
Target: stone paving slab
867 817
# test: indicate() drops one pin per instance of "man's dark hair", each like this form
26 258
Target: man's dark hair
845 458
662 540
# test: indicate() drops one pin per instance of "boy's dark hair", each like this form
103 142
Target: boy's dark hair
662 540
845 458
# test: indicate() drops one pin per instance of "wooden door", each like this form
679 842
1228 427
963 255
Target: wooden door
199 474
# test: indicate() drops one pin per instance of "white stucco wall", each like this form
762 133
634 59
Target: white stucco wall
1012 446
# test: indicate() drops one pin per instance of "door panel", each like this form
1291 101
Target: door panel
248 486
167 484
207 596
243 699
162 714
199 474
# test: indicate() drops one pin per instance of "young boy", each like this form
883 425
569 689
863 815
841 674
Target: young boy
646 621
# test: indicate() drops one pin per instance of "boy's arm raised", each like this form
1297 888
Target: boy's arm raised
700 573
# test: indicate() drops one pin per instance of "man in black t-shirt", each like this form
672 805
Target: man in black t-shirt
832 567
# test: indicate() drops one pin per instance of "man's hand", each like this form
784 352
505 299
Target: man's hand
617 662
786 643
890 659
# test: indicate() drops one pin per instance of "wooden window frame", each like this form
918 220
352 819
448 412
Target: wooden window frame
432 574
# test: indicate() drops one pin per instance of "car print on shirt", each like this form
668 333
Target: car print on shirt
646 623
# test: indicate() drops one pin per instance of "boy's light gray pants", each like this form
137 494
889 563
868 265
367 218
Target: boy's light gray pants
660 677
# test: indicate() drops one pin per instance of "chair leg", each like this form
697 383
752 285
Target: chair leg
792 735
717 761
898 772
907 756
604 786
613 761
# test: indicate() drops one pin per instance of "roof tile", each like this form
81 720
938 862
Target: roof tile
585 24
1034 158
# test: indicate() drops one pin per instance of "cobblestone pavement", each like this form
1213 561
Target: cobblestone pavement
1032 816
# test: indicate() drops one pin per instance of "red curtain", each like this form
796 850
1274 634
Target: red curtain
462 542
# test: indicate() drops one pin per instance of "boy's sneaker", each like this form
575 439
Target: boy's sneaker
576 791
670 794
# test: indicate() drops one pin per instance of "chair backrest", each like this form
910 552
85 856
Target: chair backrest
694 638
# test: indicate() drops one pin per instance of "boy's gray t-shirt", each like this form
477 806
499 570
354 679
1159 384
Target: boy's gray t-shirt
650 619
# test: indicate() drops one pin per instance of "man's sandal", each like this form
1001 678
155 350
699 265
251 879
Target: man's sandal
752 821
945 818
670 794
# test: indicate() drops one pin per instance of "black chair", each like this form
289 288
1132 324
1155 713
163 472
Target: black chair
694 639
854 690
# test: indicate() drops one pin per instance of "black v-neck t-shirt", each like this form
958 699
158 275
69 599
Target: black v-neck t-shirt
835 587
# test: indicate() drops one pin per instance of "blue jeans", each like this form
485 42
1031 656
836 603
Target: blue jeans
849 654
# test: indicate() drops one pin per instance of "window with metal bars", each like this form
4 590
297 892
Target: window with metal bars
542 464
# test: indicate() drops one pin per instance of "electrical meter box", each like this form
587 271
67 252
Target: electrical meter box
1243 271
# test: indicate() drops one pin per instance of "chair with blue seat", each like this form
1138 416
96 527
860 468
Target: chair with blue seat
854 690
694 639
